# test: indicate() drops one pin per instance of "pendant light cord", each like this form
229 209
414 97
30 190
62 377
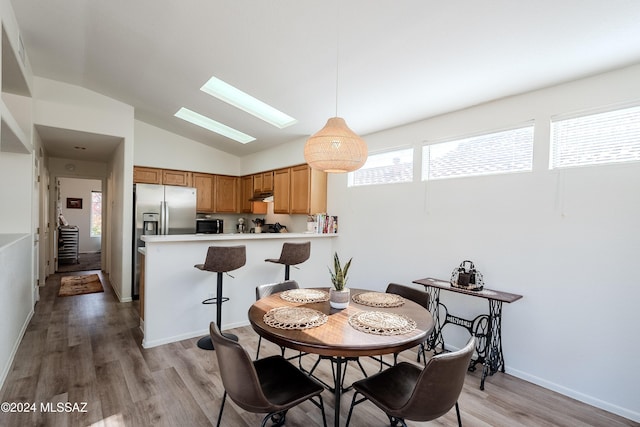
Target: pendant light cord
337 49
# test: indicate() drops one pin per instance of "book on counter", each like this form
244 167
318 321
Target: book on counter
326 224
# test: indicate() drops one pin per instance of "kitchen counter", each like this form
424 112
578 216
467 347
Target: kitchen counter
231 236
174 289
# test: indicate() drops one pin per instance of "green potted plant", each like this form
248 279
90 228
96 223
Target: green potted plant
339 294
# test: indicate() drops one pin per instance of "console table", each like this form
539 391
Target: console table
487 328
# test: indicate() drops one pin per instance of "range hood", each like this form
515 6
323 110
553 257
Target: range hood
262 196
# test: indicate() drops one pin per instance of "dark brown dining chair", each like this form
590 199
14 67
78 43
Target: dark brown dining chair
292 254
269 289
419 297
271 385
408 392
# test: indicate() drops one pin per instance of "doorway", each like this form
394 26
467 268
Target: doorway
78 213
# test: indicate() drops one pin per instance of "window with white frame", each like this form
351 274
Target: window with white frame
611 137
96 214
384 168
494 153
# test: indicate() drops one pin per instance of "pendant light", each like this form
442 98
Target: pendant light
335 148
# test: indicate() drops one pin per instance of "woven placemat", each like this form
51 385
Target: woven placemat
378 299
294 318
305 295
382 323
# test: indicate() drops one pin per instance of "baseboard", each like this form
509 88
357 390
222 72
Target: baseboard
14 350
590 400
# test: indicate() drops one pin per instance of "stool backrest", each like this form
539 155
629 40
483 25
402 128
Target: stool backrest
295 253
225 258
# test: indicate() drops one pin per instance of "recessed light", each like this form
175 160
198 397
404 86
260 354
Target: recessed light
210 124
234 96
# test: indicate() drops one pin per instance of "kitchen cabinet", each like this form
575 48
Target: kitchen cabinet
281 190
180 178
226 190
263 182
308 190
204 184
144 175
246 192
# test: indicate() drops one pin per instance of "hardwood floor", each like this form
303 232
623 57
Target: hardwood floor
86 349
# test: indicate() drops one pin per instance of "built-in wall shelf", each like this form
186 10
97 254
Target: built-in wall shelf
14 73
12 138
15 90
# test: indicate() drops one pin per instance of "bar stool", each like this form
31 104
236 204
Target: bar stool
220 259
292 254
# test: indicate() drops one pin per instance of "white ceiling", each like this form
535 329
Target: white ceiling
392 62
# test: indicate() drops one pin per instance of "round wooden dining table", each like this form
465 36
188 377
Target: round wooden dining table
337 338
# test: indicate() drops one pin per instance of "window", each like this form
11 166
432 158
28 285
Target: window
495 153
96 214
384 168
610 137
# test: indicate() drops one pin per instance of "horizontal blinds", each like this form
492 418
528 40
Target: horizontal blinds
495 153
610 137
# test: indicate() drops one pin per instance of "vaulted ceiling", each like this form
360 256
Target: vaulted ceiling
378 64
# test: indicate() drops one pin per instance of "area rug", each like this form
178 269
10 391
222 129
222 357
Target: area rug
79 285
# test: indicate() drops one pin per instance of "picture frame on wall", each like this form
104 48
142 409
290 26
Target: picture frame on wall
74 203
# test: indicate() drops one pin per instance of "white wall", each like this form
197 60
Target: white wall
158 148
71 107
567 241
82 189
16 302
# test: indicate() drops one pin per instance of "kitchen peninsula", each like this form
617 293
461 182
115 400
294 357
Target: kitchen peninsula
173 290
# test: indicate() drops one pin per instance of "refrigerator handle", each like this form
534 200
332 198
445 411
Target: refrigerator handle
163 218
166 218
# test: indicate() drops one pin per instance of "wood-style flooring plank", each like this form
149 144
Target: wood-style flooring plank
87 349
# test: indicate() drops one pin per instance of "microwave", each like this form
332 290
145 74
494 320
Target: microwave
209 226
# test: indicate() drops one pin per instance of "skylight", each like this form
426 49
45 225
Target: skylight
210 124
231 95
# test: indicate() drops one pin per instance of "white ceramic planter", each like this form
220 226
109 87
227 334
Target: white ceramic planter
339 299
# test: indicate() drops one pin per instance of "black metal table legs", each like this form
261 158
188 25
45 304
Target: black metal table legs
487 328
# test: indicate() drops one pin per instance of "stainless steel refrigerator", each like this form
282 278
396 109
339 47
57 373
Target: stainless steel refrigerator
160 209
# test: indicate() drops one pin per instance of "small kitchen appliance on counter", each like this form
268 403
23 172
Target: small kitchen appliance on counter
209 226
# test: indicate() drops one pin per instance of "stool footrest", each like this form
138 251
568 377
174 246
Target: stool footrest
215 300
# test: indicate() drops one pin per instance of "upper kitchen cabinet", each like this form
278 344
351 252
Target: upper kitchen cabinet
179 178
227 193
143 175
281 190
246 193
15 104
204 184
308 190
263 182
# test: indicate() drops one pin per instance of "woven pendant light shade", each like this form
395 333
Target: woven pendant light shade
335 148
